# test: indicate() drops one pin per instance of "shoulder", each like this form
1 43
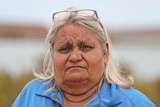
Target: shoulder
33 85
135 97
28 96
129 97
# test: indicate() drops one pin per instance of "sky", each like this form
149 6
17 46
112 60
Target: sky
114 13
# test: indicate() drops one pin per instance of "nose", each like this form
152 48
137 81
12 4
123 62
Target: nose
75 56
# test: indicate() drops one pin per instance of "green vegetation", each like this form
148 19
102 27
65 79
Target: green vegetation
151 89
10 88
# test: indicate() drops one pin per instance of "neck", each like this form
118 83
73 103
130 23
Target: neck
80 100
81 97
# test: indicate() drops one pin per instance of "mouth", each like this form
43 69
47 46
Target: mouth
76 67
76 74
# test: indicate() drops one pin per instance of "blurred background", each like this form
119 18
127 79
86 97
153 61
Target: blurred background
134 27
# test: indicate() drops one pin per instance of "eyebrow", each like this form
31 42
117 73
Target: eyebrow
63 43
66 42
86 41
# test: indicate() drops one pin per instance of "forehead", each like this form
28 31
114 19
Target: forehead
75 31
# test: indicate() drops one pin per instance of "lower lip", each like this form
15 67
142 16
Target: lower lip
75 72
76 67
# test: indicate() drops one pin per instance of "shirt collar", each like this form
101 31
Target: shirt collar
48 90
107 95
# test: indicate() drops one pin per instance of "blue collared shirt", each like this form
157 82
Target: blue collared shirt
36 94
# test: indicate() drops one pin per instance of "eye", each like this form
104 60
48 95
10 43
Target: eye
65 49
86 47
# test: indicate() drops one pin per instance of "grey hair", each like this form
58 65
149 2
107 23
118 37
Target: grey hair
112 73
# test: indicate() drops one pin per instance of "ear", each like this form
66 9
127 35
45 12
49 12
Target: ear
106 52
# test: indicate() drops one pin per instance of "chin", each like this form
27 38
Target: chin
75 88
76 91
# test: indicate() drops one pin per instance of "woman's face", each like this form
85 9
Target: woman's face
79 61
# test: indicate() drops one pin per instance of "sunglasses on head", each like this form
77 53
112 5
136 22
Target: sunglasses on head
85 13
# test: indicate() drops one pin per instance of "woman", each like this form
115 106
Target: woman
79 70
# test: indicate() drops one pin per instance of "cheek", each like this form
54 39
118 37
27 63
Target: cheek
96 66
59 64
